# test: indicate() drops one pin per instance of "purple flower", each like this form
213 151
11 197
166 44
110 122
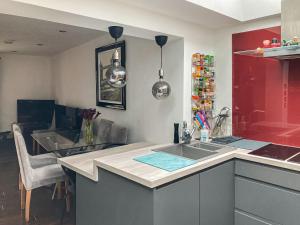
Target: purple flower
90 114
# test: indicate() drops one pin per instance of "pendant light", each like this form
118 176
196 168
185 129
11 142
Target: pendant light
161 89
116 73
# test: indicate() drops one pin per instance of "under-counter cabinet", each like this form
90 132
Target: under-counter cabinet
217 195
266 195
177 203
243 218
115 200
192 200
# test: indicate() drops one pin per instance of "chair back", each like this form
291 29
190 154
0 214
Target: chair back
16 128
118 135
103 131
23 157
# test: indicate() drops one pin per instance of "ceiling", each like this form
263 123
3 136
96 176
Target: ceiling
241 10
184 10
211 13
37 37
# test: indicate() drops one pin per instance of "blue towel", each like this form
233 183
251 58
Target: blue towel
165 161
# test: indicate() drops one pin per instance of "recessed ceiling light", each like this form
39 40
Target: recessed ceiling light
62 31
9 41
40 44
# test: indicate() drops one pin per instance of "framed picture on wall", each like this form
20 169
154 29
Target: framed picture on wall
106 95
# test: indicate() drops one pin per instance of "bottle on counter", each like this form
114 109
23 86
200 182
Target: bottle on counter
176 133
204 135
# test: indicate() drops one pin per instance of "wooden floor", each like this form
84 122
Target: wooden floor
43 211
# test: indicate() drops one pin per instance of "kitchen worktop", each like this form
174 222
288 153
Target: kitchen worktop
120 160
84 163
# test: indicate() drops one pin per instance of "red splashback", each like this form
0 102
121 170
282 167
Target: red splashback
266 92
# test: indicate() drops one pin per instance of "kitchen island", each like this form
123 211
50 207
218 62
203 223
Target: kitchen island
216 190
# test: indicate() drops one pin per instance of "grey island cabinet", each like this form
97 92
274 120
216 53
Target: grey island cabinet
205 198
235 192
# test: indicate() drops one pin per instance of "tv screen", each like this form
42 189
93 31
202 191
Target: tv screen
37 111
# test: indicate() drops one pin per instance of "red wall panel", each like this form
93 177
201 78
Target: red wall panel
266 92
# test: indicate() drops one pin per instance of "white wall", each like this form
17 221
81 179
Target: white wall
22 77
137 22
140 22
223 52
146 118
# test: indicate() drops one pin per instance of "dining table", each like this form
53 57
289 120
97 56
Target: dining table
65 142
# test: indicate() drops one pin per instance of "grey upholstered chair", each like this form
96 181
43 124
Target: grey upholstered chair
33 177
118 135
103 131
37 160
111 134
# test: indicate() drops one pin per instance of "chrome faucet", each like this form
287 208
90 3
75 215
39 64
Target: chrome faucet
187 134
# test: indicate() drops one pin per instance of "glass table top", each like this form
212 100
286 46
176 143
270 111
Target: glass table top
66 142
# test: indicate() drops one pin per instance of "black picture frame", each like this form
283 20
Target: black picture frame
107 96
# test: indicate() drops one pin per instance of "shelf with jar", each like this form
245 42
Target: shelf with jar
203 89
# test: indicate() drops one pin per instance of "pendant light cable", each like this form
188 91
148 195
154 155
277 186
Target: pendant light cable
161 56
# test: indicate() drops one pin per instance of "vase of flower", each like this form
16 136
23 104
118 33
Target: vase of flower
88 132
89 115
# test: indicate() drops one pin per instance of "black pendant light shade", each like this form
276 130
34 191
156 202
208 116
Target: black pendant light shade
161 89
161 40
115 32
116 74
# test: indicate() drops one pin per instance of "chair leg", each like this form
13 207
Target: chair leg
33 146
20 182
27 208
63 214
38 148
58 186
54 191
22 196
68 197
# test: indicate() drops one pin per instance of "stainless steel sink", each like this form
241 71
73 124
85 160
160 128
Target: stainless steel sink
205 146
187 151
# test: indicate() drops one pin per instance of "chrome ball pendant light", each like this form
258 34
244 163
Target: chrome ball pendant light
116 74
161 89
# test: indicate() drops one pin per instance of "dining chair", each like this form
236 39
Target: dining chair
37 160
33 177
103 130
118 135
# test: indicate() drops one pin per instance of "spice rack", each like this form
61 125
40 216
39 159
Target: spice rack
203 89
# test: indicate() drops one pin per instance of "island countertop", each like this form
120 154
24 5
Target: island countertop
121 161
84 163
